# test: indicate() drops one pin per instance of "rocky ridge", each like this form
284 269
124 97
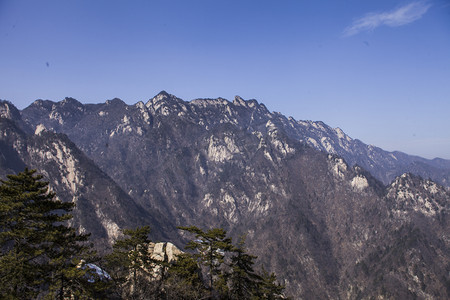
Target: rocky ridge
102 208
249 115
337 231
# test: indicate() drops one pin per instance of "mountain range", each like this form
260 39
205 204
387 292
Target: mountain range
333 217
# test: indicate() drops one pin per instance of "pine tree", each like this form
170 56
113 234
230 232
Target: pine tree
269 288
185 279
66 251
21 274
211 247
130 264
39 253
244 281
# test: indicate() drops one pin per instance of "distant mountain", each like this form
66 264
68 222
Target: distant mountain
249 115
329 228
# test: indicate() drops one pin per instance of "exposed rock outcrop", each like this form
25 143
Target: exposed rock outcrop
328 228
164 251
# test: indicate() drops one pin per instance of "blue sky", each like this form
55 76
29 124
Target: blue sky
380 70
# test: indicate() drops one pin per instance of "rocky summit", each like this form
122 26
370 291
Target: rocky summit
333 217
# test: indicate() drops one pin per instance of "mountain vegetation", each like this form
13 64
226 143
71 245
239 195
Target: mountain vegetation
42 257
332 217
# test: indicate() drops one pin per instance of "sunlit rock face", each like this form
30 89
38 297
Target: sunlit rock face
102 208
164 251
118 119
300 191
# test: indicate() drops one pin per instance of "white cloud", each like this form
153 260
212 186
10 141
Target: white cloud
397 17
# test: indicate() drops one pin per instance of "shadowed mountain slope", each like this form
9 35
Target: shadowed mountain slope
329 229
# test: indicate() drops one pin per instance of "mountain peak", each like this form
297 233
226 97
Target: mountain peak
163 93
251 103
165 103
8 110
239 101
40 103
70 100
115 101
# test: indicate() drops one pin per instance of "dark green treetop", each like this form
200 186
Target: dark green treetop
40 255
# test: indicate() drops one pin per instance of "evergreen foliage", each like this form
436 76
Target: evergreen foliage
211 246
244 281
130 264
42 257
40 254
185 279
269 288
229 268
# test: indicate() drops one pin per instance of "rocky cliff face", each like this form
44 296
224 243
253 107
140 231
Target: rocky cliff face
102 208
249 115
328 228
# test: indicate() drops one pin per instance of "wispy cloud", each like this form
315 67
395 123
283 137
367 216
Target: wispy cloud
400 16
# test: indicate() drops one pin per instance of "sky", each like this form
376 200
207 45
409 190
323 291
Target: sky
377 69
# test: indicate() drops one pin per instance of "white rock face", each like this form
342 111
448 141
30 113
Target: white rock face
259 205
209 102
268 156
229 207
54 115
271 126
158 252
156 102
338 166
327 145
423 203
207 200
283 148
221 151
112 229
431 187
341 135
40 128
144 112
359 182
164 251
125 127
5 111
172 252
73 178
313 142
